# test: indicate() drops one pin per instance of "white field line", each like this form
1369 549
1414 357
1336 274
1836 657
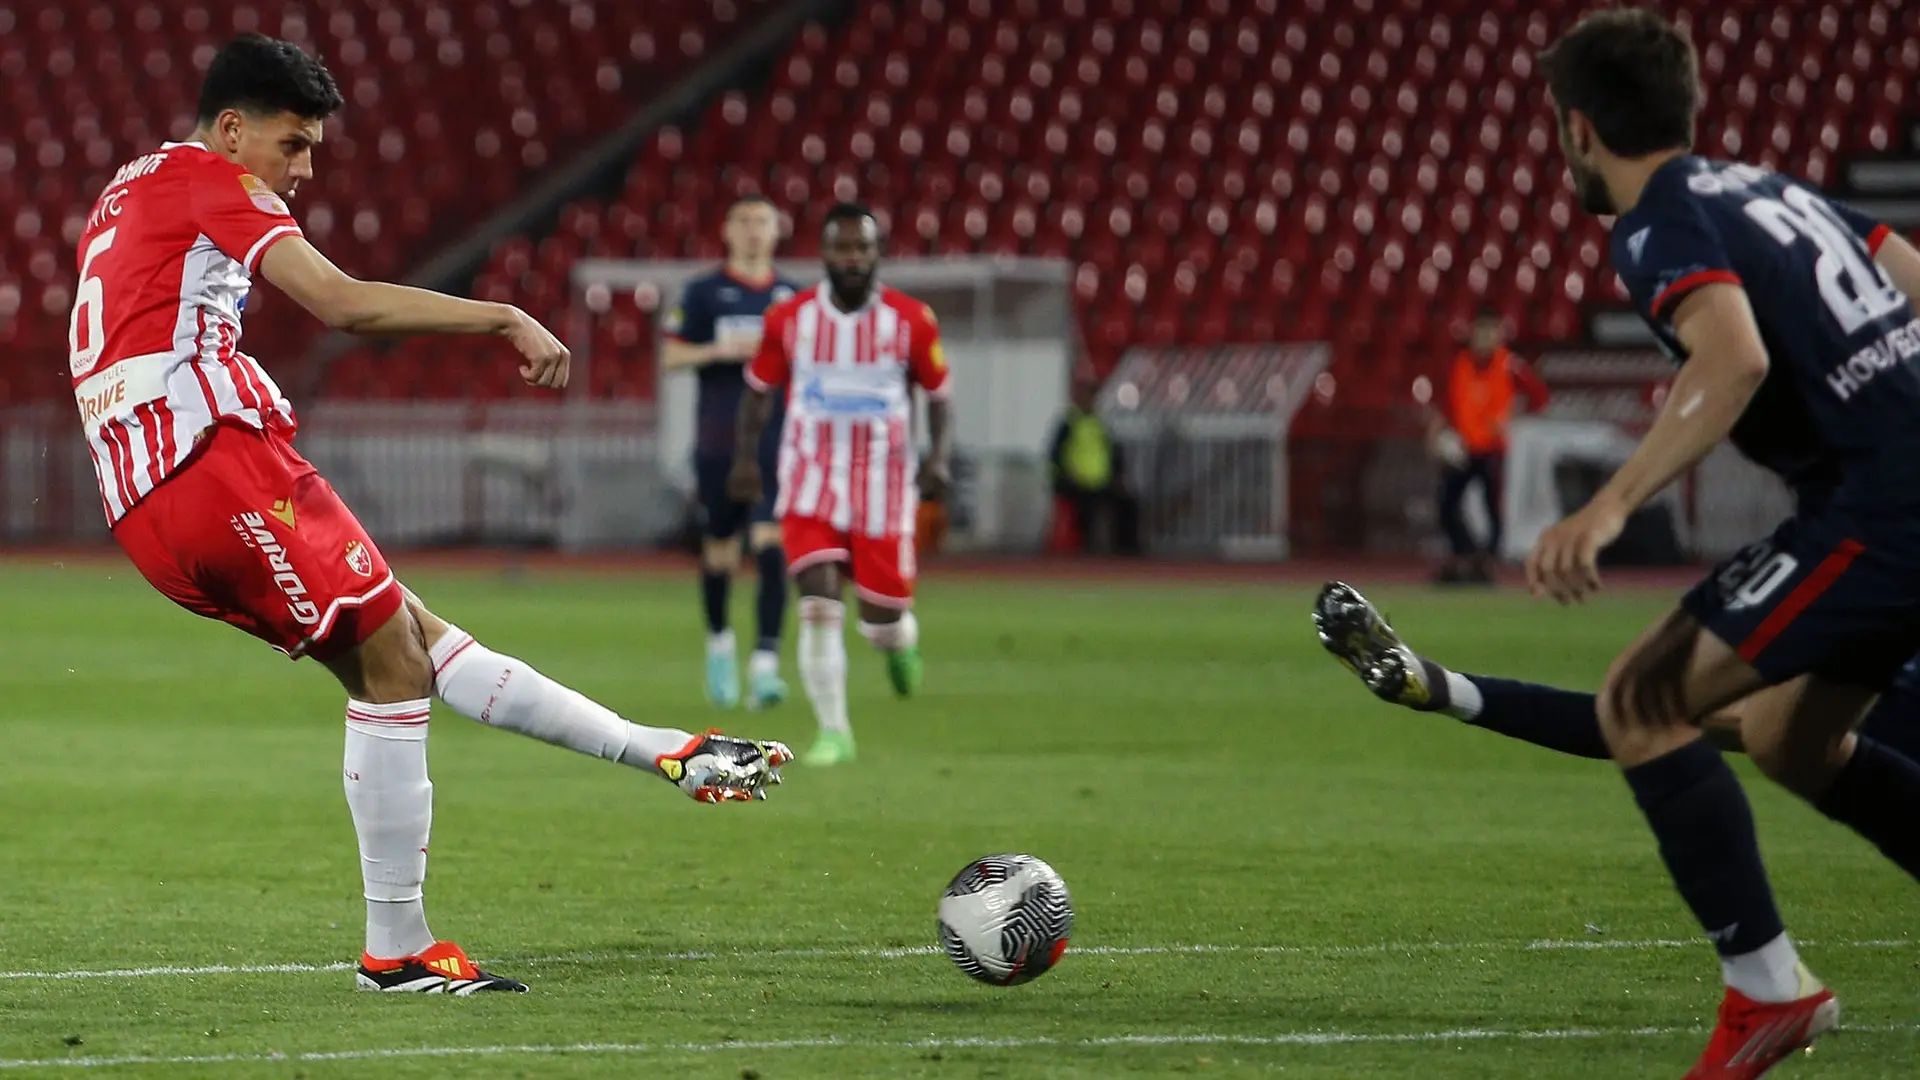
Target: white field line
904 952
1298 1038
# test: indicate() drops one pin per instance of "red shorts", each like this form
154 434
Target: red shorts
882 567
248 533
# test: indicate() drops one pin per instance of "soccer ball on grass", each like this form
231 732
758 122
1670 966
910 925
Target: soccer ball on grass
1005 919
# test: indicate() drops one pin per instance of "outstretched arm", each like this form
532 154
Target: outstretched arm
378 308
346 303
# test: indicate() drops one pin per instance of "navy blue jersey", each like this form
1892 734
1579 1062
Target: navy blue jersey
1838 415
718 307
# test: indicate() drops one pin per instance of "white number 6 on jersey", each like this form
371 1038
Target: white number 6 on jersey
88 299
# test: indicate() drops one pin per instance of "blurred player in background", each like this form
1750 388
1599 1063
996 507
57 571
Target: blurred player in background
848 354
1090 475
1792 319
192 444
1469 435
715 330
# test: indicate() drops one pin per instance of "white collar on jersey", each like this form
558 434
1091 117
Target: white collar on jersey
825 289
193 142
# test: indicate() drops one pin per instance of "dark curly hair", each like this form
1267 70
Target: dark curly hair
261 75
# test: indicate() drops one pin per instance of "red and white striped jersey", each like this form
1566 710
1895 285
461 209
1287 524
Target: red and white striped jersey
847 455
166 262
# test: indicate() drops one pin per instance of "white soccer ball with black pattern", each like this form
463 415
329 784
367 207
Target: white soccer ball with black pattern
1005 919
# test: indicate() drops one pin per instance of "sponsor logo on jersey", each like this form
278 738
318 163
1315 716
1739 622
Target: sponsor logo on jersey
262 195
1895 346
282 509
819 399
252 528
103 401
359 559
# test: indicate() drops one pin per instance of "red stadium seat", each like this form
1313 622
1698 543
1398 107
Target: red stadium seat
1370 172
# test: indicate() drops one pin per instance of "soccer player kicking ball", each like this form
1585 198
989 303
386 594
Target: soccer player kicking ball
849 352
192 444
714 330
1791 319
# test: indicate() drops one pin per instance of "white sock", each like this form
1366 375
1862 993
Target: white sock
1463 697
385 775
823 661
720 644
763 662
1770 973
894 636
504 692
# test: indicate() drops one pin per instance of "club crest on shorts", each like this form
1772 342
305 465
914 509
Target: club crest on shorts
359 559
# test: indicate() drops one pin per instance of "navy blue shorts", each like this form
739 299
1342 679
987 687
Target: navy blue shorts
725 517
1827 594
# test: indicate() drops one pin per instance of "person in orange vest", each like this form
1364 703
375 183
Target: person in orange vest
1469 436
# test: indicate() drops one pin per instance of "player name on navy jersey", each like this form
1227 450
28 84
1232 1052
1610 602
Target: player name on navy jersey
719 307
1838 408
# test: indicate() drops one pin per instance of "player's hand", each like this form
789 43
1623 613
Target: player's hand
743 481
1565 561
547 359
735 349
935 480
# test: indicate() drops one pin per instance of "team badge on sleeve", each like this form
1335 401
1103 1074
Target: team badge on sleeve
261 195
359 559
937 356
676 318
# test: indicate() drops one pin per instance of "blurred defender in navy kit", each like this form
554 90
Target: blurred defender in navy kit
714 331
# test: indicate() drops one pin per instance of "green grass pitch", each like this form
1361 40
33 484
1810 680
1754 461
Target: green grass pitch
1273 873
